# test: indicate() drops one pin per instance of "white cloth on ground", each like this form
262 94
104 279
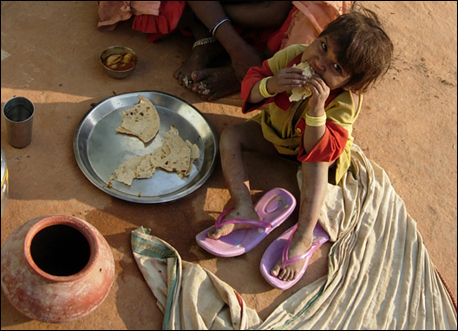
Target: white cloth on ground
380 274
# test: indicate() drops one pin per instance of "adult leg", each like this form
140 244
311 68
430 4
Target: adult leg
234 141
313 192
261 14
201 55
214 83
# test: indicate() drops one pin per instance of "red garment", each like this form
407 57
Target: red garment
330 146
165 23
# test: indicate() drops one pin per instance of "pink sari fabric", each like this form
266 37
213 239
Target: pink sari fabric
311 18
113 12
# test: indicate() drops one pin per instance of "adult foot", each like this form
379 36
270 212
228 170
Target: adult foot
244 212
299 245
200 57
215 83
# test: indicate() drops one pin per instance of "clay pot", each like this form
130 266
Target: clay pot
56 268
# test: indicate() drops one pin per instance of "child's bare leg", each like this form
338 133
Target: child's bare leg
313 192
234 141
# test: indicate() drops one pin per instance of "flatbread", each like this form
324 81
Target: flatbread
126 172
136 167
146 167
142 120
194 155
175 155
303 92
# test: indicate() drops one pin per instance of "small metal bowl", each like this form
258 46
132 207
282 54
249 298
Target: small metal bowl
119 74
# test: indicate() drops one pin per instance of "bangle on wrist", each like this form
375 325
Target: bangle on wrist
217 24
263 88
315 121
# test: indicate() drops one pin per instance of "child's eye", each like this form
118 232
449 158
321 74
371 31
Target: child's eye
324 46
337 67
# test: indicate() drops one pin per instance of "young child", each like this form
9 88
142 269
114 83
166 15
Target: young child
350 55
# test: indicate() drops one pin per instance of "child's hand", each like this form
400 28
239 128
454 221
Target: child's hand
286 79
320 92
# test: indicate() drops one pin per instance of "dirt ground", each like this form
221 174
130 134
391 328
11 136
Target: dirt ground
50 51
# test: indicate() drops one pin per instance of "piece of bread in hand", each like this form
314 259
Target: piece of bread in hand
303 92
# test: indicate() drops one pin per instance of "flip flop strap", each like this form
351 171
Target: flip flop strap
284 259
219 223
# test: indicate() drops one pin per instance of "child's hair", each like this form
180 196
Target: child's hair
364 50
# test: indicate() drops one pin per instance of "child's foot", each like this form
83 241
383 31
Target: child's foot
215 83
245 212
299 245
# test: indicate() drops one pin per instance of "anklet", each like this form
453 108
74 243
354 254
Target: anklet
204 41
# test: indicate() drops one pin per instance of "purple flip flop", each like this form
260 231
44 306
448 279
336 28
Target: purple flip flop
279 248
273 209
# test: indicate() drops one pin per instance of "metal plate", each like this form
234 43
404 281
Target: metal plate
99 149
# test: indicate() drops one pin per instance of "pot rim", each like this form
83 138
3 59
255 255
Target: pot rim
80 225
4 168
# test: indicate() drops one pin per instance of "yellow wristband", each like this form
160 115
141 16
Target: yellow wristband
315 121
263 88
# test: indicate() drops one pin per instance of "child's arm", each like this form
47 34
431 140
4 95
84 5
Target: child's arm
283 80
320 92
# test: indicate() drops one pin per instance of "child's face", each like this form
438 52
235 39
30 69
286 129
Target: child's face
323 60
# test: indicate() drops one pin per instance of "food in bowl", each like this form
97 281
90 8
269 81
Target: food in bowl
118 61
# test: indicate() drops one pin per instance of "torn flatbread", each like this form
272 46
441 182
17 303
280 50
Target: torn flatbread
146 167
303 92
194 155
141 120
126 172
136 167
174 155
